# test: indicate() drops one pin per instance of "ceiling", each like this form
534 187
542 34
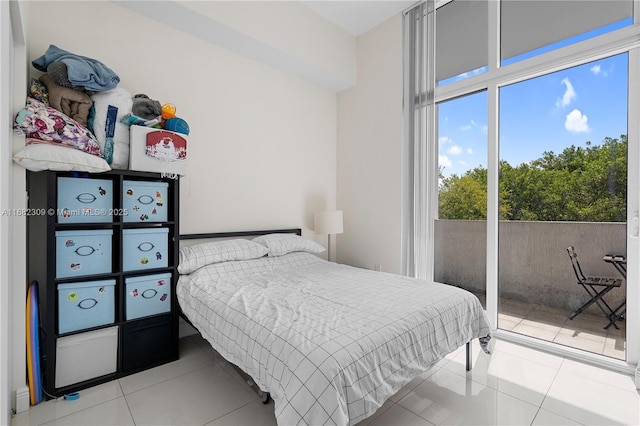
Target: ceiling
358 17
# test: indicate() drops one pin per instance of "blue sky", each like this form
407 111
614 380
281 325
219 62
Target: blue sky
548 113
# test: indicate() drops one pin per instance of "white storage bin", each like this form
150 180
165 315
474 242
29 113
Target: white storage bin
86 356
147 295
173 143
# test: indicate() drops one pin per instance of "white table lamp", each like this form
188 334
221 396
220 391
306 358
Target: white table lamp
329 223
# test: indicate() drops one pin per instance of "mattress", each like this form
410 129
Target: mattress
330 342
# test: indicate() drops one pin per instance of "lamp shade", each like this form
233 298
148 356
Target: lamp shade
328 222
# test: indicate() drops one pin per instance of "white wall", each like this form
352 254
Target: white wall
12 196
262 142
317 41
6 41
262 147
370 131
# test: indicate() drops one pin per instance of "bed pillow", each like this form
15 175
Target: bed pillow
40 121
42 156
198 255
281 244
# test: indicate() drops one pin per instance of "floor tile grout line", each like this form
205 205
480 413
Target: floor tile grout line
61 399
535 416
105 401
166 380
230 412
547 394
126 401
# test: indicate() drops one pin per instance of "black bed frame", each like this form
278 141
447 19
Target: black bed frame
298 231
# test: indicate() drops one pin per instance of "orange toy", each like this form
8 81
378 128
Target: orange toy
168 111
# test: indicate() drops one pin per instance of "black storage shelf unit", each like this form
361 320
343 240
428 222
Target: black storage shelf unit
142 343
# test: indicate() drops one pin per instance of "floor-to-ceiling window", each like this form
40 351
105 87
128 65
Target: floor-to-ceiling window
462 193
563 183
547 87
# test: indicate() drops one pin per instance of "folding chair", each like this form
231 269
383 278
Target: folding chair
596 287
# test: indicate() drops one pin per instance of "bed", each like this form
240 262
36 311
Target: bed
330 343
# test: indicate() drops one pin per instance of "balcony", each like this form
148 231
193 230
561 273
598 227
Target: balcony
537 286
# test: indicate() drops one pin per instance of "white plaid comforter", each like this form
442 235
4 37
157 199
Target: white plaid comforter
330 342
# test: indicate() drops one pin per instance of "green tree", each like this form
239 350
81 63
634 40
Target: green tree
579 184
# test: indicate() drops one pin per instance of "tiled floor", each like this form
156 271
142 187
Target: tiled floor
586 331
514 385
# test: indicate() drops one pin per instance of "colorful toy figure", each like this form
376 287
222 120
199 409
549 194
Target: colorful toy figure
163 297
159 202
134 293
75 266
136 208
66 213
144 260
154 211
102 191
144 217
129 192
69 243
158 255
101 290
161 282
72 296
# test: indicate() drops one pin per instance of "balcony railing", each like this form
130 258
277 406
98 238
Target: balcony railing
537 286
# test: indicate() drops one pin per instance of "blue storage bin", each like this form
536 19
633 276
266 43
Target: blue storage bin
147 295
85 305
145 248
84 200
144 201
81 253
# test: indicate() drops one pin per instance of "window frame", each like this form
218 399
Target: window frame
622 40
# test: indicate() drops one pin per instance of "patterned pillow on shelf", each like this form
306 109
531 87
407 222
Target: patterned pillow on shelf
40 121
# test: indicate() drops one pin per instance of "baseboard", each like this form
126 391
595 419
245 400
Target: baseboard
22 400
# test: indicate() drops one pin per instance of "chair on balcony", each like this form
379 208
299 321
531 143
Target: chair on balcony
596 287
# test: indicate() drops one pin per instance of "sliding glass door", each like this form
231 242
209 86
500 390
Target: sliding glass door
535 150
563 183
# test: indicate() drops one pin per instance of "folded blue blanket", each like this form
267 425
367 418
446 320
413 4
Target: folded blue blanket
81 71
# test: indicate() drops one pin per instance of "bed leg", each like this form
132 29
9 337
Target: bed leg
265 397
468 367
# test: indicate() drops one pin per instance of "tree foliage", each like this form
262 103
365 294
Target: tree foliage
586 184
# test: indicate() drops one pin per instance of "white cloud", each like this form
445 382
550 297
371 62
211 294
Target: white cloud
569 94
443 161
454 150
597 70
469 151
473 124
444 139
463 163
576 122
